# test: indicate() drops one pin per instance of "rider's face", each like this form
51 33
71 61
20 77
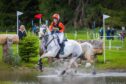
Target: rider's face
55 20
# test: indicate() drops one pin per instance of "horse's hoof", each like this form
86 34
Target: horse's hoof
63 72
75 71
94 72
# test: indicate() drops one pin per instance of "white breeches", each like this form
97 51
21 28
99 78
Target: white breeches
61 36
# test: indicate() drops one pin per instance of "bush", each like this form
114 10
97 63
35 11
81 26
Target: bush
28 47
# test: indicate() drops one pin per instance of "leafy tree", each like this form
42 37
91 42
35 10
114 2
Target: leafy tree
77 13
28 47
80 13
8 10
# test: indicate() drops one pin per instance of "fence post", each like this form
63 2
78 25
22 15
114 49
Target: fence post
66 35
6 46
87 35
122 43
75 35
6 40
110 46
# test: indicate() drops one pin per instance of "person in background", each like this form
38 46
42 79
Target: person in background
112 33
123 32
21 32
37 29
34 29
108 33
101 33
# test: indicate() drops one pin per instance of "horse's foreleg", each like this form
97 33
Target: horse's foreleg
40 60
71 62
76 66
40 64
69 65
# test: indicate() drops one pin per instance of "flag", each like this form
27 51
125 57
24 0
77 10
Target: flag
38 16
105 16
19 13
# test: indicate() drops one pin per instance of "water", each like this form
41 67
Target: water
84 78
16 77
78 78
81 80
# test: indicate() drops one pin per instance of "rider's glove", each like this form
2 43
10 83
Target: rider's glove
57 31
52 32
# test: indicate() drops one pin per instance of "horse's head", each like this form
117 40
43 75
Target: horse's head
43 31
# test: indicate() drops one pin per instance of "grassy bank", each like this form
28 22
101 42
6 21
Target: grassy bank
115 57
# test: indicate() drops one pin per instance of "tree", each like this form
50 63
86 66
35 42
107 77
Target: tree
28 47
8 10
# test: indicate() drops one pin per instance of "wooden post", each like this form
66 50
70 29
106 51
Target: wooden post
5 51
6 40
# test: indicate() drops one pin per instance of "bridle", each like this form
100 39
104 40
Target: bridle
45 37
46 40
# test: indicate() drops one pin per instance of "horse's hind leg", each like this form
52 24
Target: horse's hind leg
93 66
91 60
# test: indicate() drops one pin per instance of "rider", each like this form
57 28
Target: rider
57 24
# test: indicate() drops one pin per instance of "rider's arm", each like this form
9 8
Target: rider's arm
51 26
61 26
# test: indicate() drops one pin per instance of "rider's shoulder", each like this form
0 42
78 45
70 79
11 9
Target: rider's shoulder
60 24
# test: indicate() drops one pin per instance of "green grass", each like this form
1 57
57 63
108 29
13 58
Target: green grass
7 32
115 57
6 82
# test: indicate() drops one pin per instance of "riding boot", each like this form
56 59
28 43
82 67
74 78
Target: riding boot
62 48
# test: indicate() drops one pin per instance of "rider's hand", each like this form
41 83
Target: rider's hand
52 32
57 31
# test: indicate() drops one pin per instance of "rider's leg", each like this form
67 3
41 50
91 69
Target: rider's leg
61 37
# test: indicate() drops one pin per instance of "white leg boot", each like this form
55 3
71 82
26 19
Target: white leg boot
88 65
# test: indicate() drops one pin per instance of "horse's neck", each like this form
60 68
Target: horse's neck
50 37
